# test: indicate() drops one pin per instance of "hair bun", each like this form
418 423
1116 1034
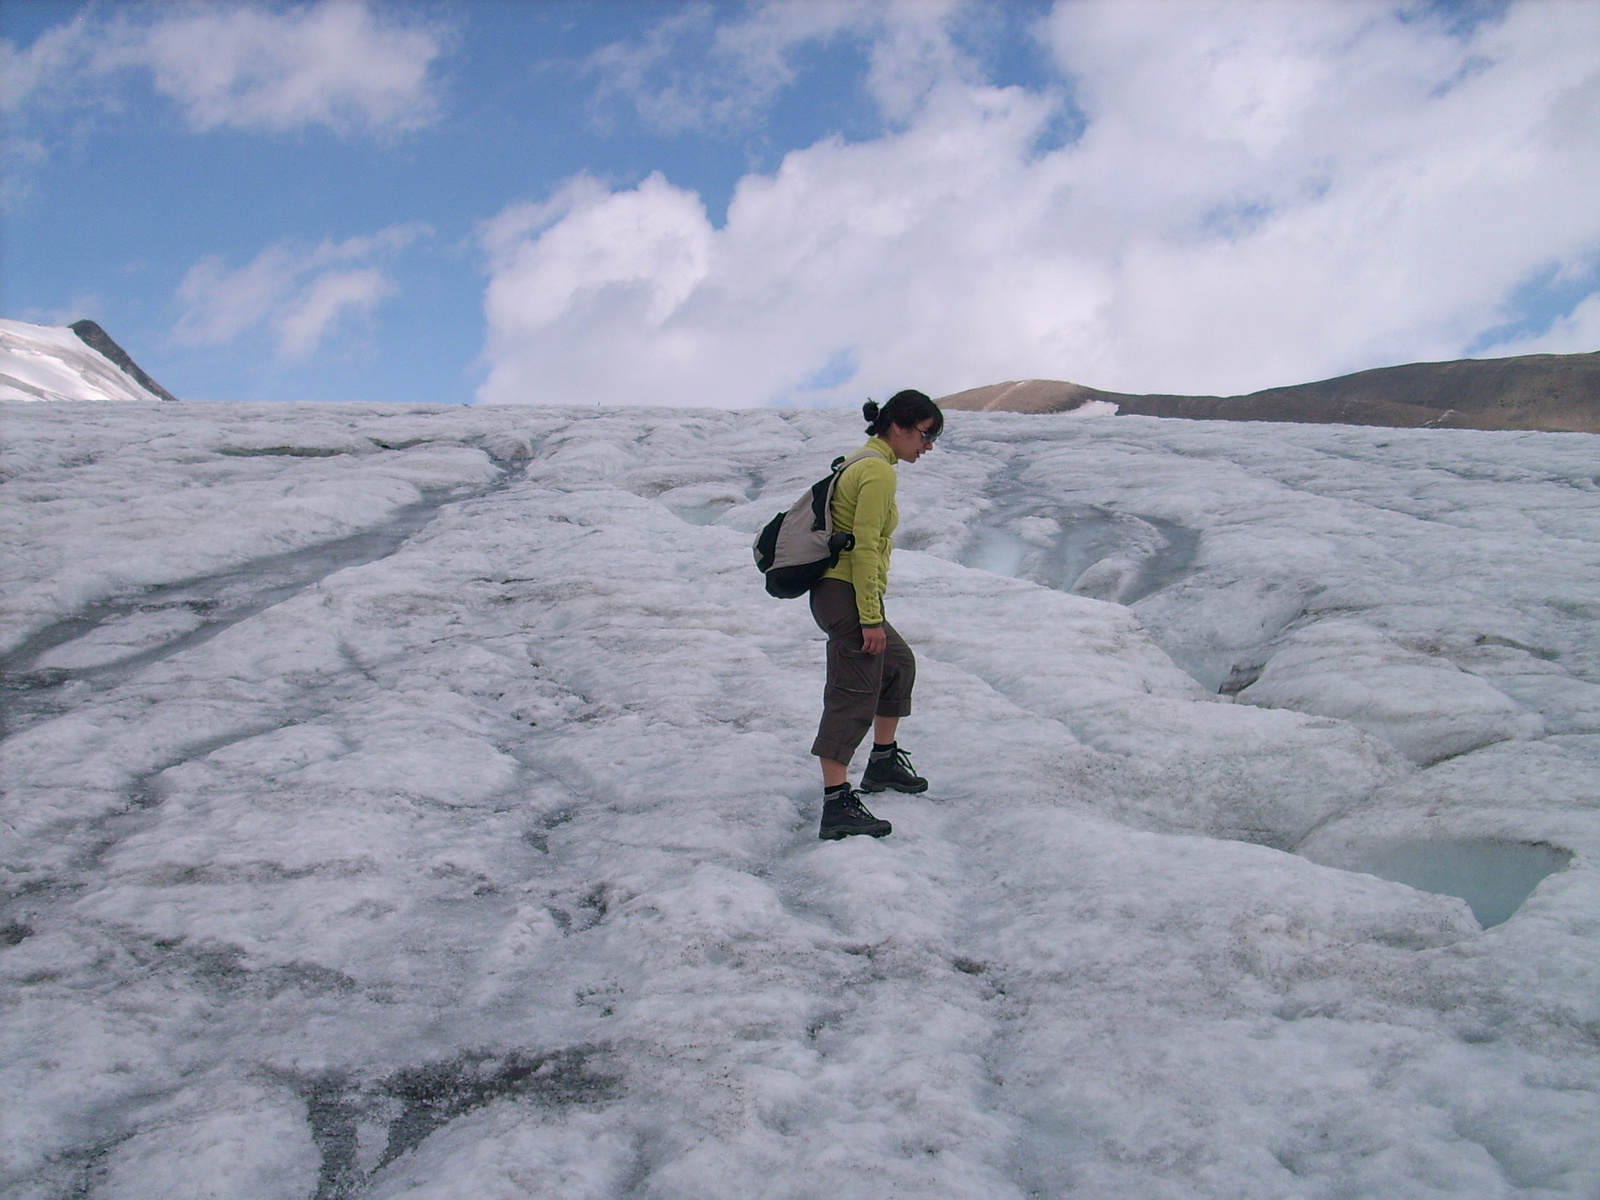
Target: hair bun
869 410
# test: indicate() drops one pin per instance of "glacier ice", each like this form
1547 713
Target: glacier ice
413 802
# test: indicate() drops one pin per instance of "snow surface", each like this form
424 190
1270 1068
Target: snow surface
50 362
415 803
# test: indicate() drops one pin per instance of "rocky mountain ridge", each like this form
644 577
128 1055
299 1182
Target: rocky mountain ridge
1557 392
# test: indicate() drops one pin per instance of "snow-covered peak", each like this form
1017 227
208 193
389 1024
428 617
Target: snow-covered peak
50 362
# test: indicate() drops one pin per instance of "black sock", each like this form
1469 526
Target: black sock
836 789
880 747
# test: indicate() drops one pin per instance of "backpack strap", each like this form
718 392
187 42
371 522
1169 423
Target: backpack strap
822 498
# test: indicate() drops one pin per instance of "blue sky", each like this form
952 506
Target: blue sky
799 203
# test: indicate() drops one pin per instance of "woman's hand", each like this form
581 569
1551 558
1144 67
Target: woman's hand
873 639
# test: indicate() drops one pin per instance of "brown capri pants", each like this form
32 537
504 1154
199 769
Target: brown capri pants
860 685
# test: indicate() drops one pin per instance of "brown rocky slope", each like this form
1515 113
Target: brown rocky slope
96 338
1559 392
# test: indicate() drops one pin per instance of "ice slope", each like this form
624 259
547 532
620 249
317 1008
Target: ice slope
48 362
414 803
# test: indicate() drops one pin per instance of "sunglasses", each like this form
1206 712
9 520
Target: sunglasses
928 437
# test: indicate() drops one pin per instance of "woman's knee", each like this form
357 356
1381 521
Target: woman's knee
899 659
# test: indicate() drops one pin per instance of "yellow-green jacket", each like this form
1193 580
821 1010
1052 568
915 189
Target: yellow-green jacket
863 504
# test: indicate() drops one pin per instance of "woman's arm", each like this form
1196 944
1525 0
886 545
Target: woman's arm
868 558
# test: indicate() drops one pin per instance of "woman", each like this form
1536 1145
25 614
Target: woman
870 669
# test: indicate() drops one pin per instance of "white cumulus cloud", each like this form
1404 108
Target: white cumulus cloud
1578 332
302 295
692 71
1260 194
341 64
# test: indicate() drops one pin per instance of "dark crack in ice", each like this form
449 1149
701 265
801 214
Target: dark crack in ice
362 1129
165 620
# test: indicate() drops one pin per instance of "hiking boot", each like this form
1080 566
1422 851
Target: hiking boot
891 768
843 814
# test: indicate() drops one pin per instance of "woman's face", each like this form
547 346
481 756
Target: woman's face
909 444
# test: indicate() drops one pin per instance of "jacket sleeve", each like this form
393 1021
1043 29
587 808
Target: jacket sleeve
869 560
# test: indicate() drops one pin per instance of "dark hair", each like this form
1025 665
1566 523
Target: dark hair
907 409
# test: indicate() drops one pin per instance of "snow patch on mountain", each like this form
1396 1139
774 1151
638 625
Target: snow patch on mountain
49 362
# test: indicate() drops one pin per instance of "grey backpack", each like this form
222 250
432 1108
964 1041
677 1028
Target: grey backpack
797 546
